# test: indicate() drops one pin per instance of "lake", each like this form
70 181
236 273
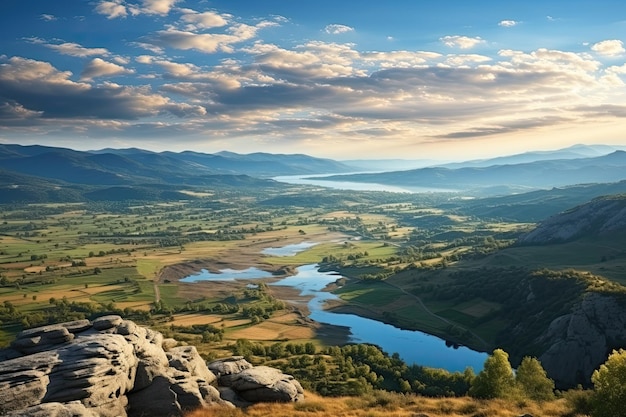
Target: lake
414 347
289 250
355 186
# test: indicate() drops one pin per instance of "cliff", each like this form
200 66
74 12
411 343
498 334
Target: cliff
114 368
579 342
601 216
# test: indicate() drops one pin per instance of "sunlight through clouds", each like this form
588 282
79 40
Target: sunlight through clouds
272 76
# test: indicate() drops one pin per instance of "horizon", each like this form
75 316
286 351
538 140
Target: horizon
612 149
406 80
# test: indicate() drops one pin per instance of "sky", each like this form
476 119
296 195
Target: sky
342 79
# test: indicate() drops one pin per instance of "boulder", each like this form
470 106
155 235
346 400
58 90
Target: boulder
265 384
115 368
226 368
187 359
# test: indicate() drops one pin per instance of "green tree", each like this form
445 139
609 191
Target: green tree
533 381
496 380
609 382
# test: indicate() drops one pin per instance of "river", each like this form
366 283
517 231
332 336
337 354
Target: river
414 347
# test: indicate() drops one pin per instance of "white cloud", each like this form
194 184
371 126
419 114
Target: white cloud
336 29
100 68
160 7
112 9
120 8
508 23
205 20
462 42
203 42
74 49
610 48
47 17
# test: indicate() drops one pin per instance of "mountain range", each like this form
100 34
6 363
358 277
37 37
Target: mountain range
504 178
51 174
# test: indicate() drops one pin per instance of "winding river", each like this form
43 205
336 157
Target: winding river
412 346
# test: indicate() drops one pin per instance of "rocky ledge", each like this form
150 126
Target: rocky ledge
114 368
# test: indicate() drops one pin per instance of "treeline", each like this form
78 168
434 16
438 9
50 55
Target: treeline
354 369
62 310
359 369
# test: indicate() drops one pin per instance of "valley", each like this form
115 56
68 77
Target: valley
475 273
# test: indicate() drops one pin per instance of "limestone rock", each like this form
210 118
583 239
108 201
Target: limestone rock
265 384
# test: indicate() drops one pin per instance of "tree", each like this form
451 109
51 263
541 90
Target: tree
533 381
496 380
609 382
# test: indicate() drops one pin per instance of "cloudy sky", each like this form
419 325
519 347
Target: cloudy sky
343 79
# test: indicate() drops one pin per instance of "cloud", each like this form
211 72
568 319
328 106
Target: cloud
508 23
203 42
160 7
100 68
609 48
336 29
74 49
47 17
112 9
35 87
205 20
462 42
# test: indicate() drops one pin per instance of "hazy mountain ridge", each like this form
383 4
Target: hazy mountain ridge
537 174
132 166
601 216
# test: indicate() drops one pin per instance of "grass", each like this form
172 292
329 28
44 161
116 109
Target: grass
385 404
374 293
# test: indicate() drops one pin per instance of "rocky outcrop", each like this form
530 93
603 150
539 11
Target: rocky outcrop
579 342
601 216
114 368
242 384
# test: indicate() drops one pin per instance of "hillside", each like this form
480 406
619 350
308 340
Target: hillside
535 206
602 216
132 166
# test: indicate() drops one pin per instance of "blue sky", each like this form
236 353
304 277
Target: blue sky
342 79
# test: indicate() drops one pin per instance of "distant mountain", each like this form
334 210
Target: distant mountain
125 167
573 152
532 175
536 205
389 164
602 216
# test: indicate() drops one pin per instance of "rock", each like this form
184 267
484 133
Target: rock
187 359
115 368
107 322
72 409
265 384
579 342
226 368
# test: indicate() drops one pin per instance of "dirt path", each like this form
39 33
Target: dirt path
427 310
157 291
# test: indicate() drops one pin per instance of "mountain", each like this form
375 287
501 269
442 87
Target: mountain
532 175
538 205
600 217
133 166
573 152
